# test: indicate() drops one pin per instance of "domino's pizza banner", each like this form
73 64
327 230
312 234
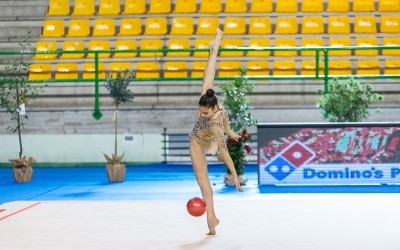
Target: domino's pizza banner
329 154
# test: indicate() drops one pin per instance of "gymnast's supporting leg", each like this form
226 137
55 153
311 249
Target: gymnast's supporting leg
200 169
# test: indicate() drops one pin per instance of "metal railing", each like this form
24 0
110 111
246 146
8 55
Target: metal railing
176 148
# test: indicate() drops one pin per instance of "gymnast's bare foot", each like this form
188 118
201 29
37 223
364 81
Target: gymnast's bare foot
214 45
212 224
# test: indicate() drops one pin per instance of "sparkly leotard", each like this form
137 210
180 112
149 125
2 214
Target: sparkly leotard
205 128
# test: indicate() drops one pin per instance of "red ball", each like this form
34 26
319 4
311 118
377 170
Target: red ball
196 206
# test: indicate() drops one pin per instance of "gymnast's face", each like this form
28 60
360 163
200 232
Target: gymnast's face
207 112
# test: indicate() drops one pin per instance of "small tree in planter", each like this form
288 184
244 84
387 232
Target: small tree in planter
240 119
15 93
347 101
118 88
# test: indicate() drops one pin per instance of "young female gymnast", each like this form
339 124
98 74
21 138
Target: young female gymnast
207 135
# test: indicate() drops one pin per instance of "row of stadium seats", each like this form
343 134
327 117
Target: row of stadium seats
231 26
113 7
226 68
202 43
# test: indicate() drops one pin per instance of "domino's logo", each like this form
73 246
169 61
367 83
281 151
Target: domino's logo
291 158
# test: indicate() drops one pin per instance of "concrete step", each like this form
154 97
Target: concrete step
153 119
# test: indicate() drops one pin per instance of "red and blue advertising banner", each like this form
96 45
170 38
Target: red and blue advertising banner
329 154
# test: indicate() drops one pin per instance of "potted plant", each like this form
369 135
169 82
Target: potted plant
117 85
238 108
347 100
15 93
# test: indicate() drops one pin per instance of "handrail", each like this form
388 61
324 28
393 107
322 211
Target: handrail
324 49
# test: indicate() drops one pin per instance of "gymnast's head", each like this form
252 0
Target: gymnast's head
208 104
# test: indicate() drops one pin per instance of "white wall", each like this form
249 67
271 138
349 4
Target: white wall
81 148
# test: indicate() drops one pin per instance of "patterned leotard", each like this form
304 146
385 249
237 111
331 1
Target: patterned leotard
204 129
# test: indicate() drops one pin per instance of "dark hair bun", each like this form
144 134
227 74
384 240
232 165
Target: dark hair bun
210 93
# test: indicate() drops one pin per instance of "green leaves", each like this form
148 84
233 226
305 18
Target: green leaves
239 107
118 86
235 99
15 90
347 101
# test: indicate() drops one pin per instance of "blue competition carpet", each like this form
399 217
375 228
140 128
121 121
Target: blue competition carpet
153 181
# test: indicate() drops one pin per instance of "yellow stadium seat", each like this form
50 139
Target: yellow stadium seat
286 25
130 27
99 45
125 45
234 25
312 6
389 5
311 42
147 70
230 43
365 24
339 67
79 28
363 5
103 27
309 67
390 24
134 7
66 71
89 70
207 25
175 69
116 67
257 68
338 6
155 26
258 43
120 66
312 25
39 71
261 6
84 8
260 26
365 42
58 8
285 42
339 42
286 6
44 46
235 6
159 6
198 68
202 43
391 41
53 28
392 67
210 6
368 67
73 46
229 68
182 26
185 6
338 25
285 68
109 7
178 43
151 44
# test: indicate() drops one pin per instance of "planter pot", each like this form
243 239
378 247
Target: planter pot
23 174
115 169
23 170
228 180
116 172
